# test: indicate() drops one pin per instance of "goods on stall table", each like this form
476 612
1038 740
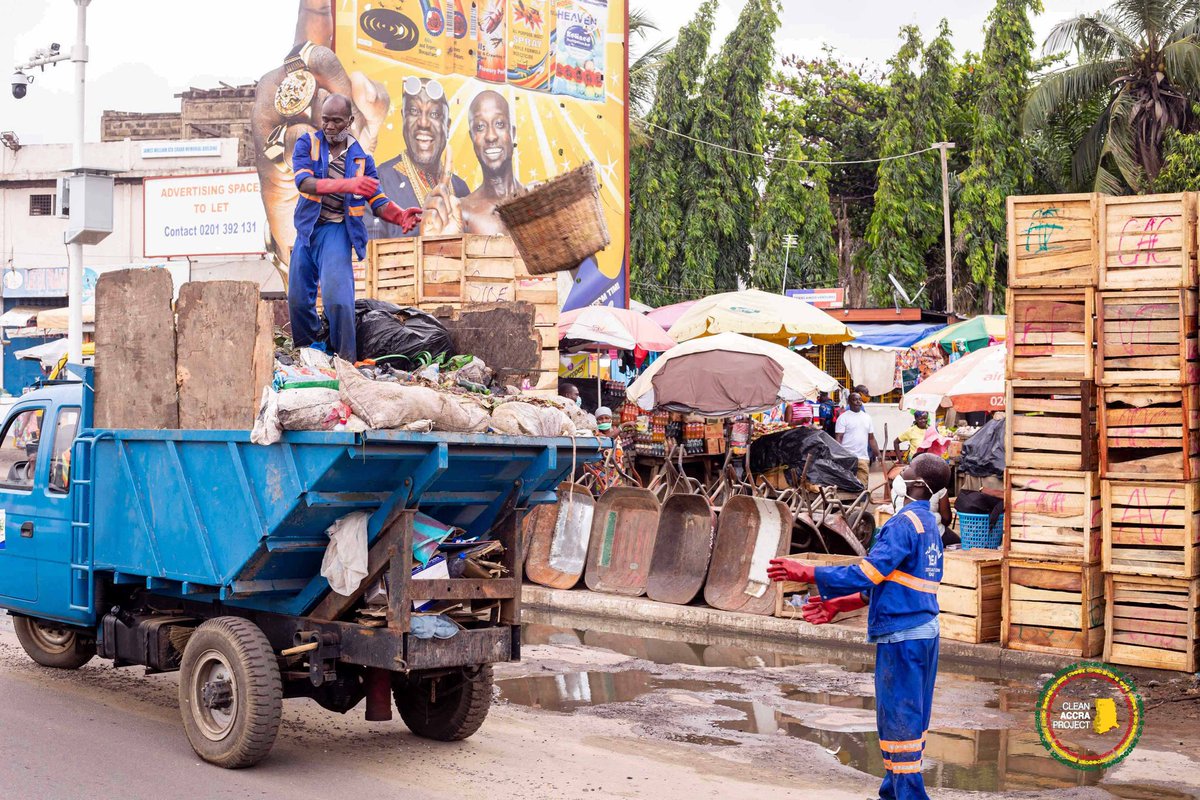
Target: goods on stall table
1052 240
1150 432
970 595
1148 241
1152 528
1153 622
1052 515
1053 608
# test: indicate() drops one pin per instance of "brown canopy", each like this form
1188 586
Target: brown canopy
718 383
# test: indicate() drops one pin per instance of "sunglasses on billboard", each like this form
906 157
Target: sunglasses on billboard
413 87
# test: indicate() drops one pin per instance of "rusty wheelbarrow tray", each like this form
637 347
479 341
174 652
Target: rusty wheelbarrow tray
624 527
682 548
751 531
558 537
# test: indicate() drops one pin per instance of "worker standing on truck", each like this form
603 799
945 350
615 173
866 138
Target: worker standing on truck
898 579
337 181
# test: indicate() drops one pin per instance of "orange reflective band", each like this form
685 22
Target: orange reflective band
909 746
915 521
300 172
902 767
312 197
356 211
873 575
376 197
314 143
913 582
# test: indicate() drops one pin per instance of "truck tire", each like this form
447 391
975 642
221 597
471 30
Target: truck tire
447 708
230 693
53 644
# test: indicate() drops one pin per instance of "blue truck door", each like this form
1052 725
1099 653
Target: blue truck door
19 505
53 523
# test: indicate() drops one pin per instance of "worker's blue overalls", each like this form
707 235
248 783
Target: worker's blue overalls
899 578
321 255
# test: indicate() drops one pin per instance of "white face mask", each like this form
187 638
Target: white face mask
900 490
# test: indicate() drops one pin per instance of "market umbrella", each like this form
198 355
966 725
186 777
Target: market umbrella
666 316
977 332
973 383
762 315
727 374
604 327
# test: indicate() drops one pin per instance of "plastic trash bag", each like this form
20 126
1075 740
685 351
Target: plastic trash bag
345 561
310 409
525 419
832 464
983 453
384 330
384 405
266 425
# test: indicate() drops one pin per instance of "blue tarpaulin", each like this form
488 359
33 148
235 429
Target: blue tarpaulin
893 335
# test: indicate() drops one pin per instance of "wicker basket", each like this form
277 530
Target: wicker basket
558 224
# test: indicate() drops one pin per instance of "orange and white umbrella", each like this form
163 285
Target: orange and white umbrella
974 382
608 327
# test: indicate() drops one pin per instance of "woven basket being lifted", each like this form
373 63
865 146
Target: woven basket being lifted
558 224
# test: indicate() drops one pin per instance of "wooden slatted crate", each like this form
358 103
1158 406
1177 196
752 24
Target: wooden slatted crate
970 595
1150 432
1053 608
1148 241
491 268
440 269
1051 425
1146 337
784 590
392 270
1152 528
1052 241
1052 515
1050 333
1153 622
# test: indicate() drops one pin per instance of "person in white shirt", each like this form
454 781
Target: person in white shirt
856 432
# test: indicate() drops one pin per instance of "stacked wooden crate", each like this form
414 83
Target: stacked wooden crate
1148 369
454 272
1053 594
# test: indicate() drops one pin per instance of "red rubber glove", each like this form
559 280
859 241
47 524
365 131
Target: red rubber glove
783 569
360 185
819 612
406 218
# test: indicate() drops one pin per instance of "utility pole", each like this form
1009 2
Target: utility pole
79 57
790 240
945 148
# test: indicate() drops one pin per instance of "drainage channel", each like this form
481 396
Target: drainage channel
724 697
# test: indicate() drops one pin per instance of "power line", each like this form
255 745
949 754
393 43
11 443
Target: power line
786 160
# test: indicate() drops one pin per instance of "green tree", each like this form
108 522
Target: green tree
723 190
999 159
1141 60
1181 161
656 199
643 71
795 202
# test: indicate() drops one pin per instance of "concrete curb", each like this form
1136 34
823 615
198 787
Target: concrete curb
752 626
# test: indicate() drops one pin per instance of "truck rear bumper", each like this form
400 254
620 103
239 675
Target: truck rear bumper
390 650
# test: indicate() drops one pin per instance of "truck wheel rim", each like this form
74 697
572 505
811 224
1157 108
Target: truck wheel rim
52 638
214 714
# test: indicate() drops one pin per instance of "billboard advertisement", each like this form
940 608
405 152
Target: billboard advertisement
463 103
202 215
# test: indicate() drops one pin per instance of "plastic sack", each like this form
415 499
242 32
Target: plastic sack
315 359
310 409
384 330
385 405
582 420
983 453
345 561
266 425
525 419
832 464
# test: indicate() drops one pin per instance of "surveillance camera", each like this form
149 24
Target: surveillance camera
55 47
20 84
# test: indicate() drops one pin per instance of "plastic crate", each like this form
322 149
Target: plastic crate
976 531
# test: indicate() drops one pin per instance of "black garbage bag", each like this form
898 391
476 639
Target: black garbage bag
384 330
983 453
832 464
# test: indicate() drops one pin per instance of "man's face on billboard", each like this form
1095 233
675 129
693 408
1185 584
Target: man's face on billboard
425 123
491 133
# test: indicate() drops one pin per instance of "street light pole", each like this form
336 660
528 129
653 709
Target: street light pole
790 240
945 147
79 57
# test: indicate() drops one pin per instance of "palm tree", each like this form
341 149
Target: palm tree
643 70
1139 64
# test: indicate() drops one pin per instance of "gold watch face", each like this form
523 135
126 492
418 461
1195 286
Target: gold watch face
295 93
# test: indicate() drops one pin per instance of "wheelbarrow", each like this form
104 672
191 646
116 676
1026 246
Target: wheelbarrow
751 531
684 543
558 538
624 527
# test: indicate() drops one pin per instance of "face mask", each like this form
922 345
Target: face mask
899 491
604 426
578 401
338 138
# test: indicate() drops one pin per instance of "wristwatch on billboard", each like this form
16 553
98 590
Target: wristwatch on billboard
292 98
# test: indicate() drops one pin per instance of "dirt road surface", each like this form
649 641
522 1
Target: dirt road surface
571 721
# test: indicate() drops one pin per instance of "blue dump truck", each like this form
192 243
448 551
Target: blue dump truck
198 551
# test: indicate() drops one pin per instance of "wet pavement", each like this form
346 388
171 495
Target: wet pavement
726 697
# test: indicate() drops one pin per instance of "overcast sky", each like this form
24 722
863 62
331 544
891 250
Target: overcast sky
144 51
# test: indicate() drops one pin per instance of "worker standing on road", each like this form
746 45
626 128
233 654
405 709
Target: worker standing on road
898 579
337 180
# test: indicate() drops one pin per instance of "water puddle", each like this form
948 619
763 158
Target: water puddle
567 692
